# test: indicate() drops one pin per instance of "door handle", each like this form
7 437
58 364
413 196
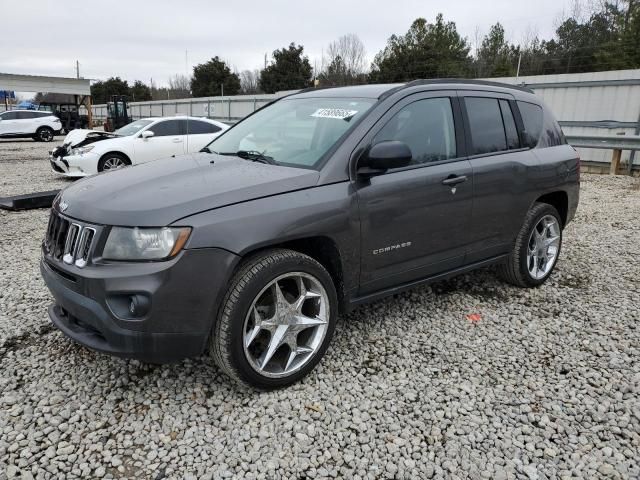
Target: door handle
177 140
452 180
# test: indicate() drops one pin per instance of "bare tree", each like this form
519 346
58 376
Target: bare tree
345 63
250 82
179 86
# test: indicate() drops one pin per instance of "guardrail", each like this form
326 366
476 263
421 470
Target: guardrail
617 143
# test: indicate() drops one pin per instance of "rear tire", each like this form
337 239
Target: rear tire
44 134
112 161
276 320
536 249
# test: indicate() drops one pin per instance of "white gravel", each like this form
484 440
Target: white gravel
545 385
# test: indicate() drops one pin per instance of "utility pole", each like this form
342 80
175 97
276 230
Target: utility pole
518 69
77 69
222 89
265 60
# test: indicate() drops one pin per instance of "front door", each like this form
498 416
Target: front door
415 220
168 139
9 123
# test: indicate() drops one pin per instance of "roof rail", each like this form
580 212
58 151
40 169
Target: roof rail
468 81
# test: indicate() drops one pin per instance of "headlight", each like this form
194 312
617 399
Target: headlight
145 243
81 150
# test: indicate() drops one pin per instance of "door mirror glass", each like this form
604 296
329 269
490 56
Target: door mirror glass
147 134
385 156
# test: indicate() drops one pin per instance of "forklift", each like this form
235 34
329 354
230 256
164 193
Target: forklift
117 113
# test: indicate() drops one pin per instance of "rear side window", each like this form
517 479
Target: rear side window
167 128
510 129
196 127
485 121
427 127
25 115
532 120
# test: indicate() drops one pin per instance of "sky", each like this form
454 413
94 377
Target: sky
155 39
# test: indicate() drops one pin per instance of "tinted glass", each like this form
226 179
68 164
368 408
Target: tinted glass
551 132
296 131
195 127
485 121
427 127
532 119
25 115
132 128
509 125
9 116
167 128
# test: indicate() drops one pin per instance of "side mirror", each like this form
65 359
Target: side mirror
147 134
384 156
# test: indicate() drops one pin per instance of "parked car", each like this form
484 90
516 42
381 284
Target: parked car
41 126
85 152
314 204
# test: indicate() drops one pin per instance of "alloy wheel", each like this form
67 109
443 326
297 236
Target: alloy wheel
543 247
113 163
286 324
46 135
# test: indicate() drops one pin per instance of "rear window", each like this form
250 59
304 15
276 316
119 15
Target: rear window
485 122
532 120
196 127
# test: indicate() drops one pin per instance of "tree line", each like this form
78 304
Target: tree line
606 37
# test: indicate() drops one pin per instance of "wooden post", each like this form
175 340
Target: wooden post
615 161
87 100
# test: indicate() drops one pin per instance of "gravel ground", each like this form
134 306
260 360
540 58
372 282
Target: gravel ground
545 385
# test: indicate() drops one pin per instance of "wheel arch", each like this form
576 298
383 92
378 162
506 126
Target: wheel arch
321 248
110 152
559 200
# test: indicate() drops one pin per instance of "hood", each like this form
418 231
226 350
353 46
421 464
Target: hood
159 193
79 137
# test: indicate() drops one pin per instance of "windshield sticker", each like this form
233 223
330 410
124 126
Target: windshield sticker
338 113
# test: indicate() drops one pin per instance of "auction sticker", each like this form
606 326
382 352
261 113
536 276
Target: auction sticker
338 113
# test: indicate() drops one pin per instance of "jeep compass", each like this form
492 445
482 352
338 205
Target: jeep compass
249 249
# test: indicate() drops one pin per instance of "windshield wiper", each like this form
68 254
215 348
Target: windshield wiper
252 155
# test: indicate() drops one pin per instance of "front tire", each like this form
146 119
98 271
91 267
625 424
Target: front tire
276 320
112 161
536 249
44 134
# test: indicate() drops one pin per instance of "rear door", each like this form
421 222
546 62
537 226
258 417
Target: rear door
26 122
501 168
412 224
199 133
168 140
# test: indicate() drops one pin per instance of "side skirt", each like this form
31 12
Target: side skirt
355 301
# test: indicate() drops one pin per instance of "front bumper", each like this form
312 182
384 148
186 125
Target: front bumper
184 296
75 165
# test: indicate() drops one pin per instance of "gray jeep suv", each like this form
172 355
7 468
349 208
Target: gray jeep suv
316 203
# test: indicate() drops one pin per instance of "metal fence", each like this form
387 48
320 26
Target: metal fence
597 103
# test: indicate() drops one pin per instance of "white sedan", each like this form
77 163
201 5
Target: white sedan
85 152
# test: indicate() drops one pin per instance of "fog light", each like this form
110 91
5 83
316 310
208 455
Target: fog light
138 305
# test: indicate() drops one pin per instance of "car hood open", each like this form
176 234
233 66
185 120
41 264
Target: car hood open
161 192
79 137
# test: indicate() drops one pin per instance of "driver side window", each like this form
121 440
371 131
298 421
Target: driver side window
167 128
427 127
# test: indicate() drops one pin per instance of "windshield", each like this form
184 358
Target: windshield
294 132
132 128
